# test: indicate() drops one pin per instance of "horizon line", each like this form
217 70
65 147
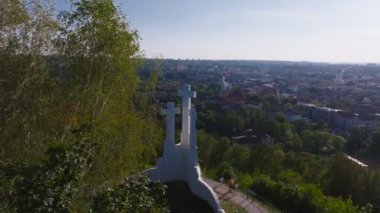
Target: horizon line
266 60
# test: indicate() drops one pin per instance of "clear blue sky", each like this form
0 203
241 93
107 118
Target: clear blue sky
310 30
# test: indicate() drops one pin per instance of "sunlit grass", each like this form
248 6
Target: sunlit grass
232 208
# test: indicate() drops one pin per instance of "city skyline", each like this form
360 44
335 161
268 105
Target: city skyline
292 30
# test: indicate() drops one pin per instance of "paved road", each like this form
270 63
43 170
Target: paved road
237 197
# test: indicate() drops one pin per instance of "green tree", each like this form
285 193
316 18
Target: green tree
374 147
343 178
256 119
313 169
266 158
338 142
225 124
281 131
27 85
321 141
300 126
289 176
218 153
355 139
50 185
102 54
238 157
300 198
91 79
294 143
226 170
136 194
206 144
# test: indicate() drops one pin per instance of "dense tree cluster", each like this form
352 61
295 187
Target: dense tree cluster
59 76
50 185
312 176
299 198
305 170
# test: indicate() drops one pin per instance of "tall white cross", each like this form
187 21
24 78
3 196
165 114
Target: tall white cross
193 138
170 112
186 94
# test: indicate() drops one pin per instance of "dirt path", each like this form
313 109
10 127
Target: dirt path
237 197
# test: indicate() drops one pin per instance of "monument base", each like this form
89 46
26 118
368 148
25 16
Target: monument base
181 199
193 178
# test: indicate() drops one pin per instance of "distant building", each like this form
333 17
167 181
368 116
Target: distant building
251 139
181 67
290 116
319 114
339 119
268 89
346 120
339 77
369 121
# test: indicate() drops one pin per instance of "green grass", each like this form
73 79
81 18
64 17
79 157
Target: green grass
232 208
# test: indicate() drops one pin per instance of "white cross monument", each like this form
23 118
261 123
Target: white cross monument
170 112
180 161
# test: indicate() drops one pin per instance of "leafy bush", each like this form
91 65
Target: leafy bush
137 194
49 186
300 198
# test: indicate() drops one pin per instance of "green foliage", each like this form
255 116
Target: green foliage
321 141
27 95
96 28
312 168
300 126
299 198
25 27
266 158
294 143
231 207
374 148
336 176
101 56
12 14
289 176
136 194
219 151
206 144
238 157
91 78
49 186
347 179
224 124
306 156
226 170
368 208
255 119
245 180
355 140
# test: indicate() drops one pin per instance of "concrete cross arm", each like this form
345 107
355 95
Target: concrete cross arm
186 92
170 108
193 112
